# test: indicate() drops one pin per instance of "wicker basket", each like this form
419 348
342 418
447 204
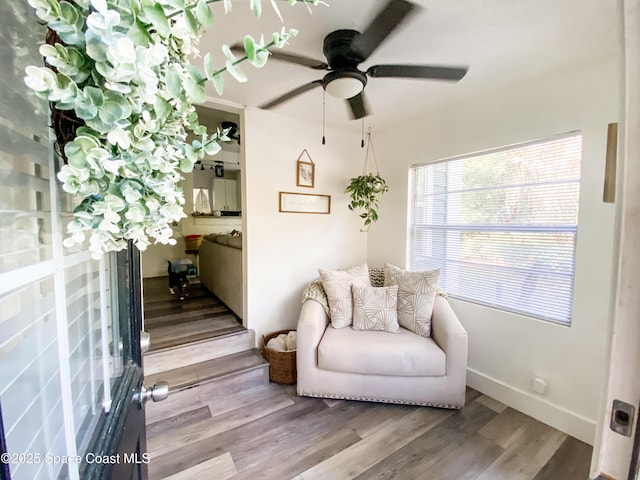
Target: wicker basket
192 242
282 365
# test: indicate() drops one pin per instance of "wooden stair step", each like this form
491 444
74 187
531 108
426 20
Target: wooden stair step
226 377
183 377
197 351
194 330
175 314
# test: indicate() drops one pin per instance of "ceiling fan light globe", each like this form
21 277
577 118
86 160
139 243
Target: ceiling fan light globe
345 87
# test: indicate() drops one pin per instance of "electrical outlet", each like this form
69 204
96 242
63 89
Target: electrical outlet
539 385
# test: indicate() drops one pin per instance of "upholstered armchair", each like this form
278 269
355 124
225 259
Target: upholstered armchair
379 366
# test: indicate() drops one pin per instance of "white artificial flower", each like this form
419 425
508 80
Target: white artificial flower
156 54
135 213
122 51
115 203
152 204
40 79
103 22
119 137
131 195
90 188
141 245
100 5
112 216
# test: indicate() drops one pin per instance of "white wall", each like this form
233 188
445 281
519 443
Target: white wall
506 350
284 250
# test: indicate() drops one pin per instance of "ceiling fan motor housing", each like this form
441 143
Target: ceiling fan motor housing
339 49
347 81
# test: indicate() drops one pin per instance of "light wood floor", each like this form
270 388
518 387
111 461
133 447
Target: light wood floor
269 432
171 322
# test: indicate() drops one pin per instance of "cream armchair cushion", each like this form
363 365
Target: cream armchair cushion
403 354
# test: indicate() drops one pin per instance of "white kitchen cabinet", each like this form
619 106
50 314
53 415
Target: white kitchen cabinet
225 194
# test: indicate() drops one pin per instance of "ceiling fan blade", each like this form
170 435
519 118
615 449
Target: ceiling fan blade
387 20
358 106
288 57
289 95
418 71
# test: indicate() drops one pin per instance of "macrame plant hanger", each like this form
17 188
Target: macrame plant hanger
369 144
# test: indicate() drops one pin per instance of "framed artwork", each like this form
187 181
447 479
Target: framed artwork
305 174
304 203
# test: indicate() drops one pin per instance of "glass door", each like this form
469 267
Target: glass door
69 325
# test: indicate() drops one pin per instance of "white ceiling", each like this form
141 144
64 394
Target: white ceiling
504 42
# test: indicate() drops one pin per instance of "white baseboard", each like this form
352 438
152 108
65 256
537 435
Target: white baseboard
539 408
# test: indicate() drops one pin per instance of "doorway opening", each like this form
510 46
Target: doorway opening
195 294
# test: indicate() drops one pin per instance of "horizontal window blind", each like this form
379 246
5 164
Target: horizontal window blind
501 225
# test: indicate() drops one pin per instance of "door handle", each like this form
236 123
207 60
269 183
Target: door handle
145 341
157 393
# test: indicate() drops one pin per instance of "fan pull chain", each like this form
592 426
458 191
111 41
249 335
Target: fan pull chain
324 108
362 141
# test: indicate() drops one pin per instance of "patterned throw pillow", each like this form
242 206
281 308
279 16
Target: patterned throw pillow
375 308
337 285
416 296
376 275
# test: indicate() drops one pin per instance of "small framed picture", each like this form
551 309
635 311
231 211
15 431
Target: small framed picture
305 174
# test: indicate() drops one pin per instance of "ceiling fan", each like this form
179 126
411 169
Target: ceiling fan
346 49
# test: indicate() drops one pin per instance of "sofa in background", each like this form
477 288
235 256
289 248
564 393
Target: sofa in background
221 269
380 366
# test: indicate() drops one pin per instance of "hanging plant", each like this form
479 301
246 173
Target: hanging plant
122 92
366 189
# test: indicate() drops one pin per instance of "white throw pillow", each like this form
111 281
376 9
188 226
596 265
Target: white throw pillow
375 308
416 296
337 285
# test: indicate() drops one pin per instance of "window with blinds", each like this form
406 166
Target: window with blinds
501 225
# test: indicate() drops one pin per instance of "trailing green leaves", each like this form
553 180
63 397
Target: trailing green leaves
364 191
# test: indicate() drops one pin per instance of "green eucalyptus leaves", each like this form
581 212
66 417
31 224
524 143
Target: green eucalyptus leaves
122 67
